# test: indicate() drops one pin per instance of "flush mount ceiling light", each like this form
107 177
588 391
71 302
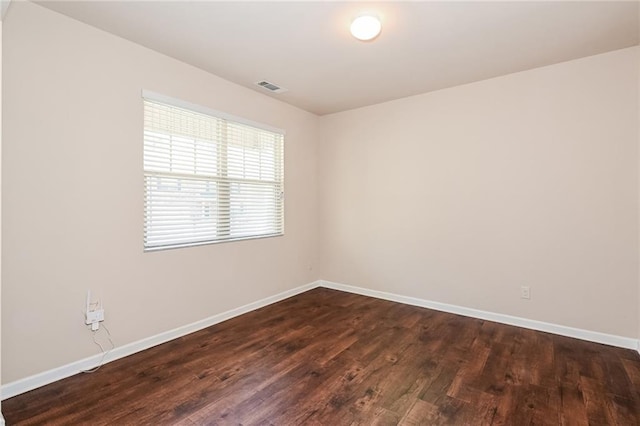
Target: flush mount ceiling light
366 27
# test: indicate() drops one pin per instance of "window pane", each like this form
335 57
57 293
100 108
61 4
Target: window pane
252 207
179 210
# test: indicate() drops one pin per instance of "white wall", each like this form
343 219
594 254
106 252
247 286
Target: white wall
72 196
463 195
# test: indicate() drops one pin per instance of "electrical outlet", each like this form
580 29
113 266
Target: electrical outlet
525 292
94 316
94 313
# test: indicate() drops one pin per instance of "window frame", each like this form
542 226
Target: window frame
221 179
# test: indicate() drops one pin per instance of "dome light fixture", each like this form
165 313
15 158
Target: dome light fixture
366 27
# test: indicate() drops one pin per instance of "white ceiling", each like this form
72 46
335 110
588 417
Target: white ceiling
306 46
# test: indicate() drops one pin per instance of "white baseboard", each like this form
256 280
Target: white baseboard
9 390
592 336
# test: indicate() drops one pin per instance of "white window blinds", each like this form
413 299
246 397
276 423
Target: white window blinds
208 178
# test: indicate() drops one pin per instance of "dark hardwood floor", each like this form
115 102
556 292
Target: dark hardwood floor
331 358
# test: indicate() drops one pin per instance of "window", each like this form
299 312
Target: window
208 177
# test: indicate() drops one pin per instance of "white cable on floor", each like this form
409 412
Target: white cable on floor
104 353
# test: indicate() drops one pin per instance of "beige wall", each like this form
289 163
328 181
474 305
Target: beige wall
459 196
1 417
463 195
72 196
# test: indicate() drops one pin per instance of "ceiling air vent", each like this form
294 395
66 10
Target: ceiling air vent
271 87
